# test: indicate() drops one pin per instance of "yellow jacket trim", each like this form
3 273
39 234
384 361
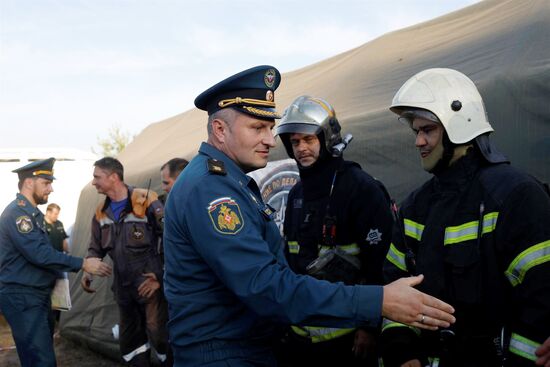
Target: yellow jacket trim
320 334
523 347
527 259
396 257
468 231
293 247
413 229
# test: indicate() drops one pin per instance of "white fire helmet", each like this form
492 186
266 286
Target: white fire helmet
308 115
451 96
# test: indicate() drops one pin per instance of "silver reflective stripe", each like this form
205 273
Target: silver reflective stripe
132 218
161 357
523 347
468 231
144 348
105 221
396 257
413 229
351 249
527 259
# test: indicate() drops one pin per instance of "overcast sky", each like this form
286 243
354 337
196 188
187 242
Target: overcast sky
72 69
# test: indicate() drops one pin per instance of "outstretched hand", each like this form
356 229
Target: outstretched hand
407 305
543 354
94 266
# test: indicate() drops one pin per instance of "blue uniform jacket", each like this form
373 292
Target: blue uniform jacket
226 277
27 257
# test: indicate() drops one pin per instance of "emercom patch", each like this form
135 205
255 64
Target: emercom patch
225 215
24 224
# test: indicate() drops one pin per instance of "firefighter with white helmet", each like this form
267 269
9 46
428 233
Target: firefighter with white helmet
479 231
337 227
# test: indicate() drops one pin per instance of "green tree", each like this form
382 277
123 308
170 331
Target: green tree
114 143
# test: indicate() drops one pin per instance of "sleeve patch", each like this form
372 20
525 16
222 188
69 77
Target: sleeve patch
225 215
24 224
374 236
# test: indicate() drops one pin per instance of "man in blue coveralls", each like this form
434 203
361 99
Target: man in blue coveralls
29 266
228 285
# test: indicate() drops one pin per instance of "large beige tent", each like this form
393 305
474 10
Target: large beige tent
504 46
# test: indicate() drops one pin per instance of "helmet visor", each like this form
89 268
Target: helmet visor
289 128
408 116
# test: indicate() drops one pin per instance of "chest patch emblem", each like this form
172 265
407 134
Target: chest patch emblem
137 233
225 215
374 236
24 224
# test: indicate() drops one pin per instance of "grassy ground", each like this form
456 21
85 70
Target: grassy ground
68 353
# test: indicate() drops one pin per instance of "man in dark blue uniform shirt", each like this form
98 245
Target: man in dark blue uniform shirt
29 266
228 285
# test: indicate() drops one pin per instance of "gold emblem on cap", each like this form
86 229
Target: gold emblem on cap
269 78
42 172
269 96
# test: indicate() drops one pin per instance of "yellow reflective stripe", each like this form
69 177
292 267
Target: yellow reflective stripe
351 249
527 259
320 334
523 347
389 324
396 257
300 331
293 247
468 231
323 250
413 229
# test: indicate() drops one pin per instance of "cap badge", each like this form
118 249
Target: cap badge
269 78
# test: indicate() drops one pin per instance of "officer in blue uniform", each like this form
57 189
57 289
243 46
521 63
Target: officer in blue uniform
29 266
228 285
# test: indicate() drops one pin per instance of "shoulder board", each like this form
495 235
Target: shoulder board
216 167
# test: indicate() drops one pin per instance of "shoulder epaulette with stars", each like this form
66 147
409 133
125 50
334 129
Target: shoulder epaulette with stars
216 167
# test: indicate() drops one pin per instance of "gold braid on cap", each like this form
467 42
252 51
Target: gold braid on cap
42 172
238 100
259 112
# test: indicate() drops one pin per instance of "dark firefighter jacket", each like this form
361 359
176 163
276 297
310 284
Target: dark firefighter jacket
480 234
360 216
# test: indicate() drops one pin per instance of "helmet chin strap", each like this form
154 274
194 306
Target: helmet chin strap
448 153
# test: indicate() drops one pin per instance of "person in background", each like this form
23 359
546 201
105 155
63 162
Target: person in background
127 226
229 288
29 266
169 172
479 231
335 209
54 227
58 239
